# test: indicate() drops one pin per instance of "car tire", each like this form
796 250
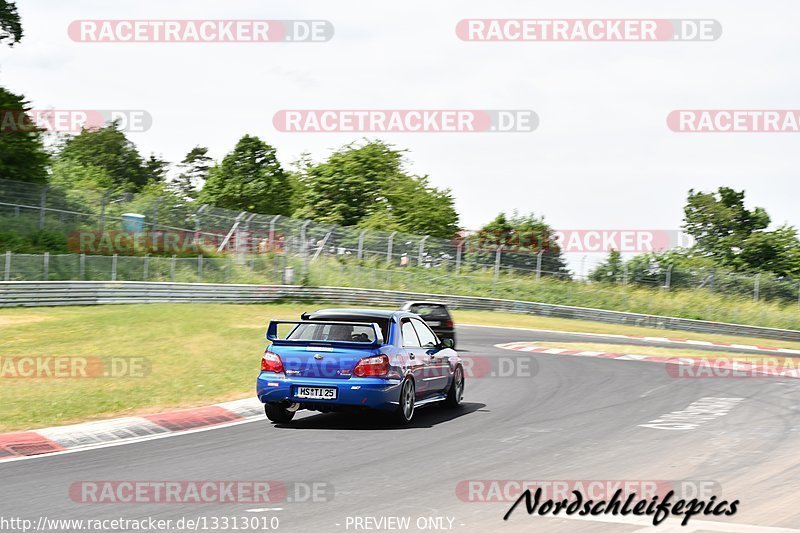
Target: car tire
456 392
278 414
407 402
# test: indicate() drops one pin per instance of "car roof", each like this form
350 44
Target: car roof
424 302
366 313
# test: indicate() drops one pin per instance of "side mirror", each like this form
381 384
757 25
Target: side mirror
448 343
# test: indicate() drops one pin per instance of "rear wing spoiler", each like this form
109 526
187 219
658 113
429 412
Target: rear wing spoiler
272 333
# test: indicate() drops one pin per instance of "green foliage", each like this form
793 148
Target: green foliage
348 186
720 222
250 178
108 149
10 26
522 238
772 251
22 153
736 238
611 271
364 184
37 241
156 168
194 172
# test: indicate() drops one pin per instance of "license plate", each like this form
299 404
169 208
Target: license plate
316 393
434 323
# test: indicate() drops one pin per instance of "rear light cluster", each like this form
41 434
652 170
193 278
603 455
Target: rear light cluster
372 367
449 323
271 362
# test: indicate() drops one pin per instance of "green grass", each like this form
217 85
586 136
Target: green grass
199 354
698 304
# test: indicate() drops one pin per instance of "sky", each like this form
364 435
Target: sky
602 156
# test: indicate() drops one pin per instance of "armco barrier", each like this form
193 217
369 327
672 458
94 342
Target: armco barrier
57 293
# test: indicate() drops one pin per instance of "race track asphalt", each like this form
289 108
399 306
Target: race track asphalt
573 418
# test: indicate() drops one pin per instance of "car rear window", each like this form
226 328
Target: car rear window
430 311
331 332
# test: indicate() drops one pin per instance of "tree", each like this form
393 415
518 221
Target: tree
194 172
22 153
250 178
611 271
417 207
522 237
365 185
156 169
108 148
720 223
736 237
772 251
349 185
10 26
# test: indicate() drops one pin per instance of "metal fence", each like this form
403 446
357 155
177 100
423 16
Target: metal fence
93 220
94 293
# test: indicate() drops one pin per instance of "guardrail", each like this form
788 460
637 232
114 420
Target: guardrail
59 293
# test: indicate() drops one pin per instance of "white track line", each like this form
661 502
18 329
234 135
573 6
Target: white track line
131 441
646 339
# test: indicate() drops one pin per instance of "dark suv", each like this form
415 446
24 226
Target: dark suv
436 315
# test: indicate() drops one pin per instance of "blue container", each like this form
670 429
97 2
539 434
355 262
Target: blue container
133 223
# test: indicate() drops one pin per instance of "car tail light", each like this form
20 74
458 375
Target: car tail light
372 367
449 323
271 362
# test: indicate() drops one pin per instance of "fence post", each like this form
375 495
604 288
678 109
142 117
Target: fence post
668 282
46 272
172 269
458 257
272 231
389 248
155 213
7 275
103 202
361 244
421 249
198 224
42 206
304 249
200 267
146 267
539 264
82 267
757 287
114 267
497 257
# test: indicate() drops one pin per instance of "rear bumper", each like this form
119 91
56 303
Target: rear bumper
374 393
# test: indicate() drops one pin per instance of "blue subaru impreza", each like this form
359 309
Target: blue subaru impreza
345 359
